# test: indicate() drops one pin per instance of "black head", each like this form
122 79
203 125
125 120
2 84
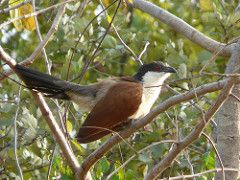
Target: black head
153 67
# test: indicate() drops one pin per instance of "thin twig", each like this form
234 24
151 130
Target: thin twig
163 106
138 152
34 13
41 39
143 51
201 174
137 59
190 164
235 96
16 134
84 69
51 161
217 153
82 33
166 161
42 44
6 10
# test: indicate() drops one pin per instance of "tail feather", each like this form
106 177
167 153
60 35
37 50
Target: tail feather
44 83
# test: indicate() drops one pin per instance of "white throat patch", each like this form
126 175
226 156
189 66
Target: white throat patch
152 84
155 78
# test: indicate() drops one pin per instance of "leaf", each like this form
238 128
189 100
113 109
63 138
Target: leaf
182 70
69 126
130 174
144 158
28 23
30 124
121 171
6 122
78 147
28 119
104 164
202 178
109 42
106 2
25 23
206 5
14 14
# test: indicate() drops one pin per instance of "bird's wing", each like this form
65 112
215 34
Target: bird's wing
113 110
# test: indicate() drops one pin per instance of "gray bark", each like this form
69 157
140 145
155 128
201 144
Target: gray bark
228 128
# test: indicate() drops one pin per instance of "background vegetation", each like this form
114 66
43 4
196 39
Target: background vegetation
36 146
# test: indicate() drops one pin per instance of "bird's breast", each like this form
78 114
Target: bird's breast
149 97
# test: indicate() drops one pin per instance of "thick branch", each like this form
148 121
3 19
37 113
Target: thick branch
182 27
168 159
47 114
96 155
57 132
227 120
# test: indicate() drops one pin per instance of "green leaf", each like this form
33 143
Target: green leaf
206 5
144 158
120 172
76 145
109 42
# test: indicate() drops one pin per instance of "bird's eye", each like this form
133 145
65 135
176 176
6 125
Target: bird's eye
157 68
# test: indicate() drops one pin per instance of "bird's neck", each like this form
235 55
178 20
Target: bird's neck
153 79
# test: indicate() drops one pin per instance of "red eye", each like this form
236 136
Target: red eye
157 68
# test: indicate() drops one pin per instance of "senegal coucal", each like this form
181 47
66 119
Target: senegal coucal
111 103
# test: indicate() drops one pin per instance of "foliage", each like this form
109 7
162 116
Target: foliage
36 144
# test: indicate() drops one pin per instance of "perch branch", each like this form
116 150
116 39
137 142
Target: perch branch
165 105
167 160
47 114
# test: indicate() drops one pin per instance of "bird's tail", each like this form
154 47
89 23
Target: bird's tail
44 83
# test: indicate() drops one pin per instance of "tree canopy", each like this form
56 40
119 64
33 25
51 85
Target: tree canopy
87 45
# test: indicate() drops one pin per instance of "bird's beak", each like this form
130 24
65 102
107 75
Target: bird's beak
169 69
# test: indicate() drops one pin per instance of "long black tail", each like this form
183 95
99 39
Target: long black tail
44 83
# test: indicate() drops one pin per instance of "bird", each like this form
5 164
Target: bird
112 103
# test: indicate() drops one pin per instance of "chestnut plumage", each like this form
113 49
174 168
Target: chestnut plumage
112 102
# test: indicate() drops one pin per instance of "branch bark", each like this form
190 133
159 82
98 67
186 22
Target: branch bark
228 119
42 44
168 159
97 154
47 114
182 27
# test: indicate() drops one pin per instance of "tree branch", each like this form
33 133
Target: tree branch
35 13
167 160
97 154
42 44
181 177
182 27
6 10
47 114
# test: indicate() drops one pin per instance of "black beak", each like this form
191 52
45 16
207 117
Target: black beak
169 69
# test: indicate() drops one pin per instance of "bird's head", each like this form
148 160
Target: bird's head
154 73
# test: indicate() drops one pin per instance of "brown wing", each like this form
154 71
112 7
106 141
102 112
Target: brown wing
121 101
